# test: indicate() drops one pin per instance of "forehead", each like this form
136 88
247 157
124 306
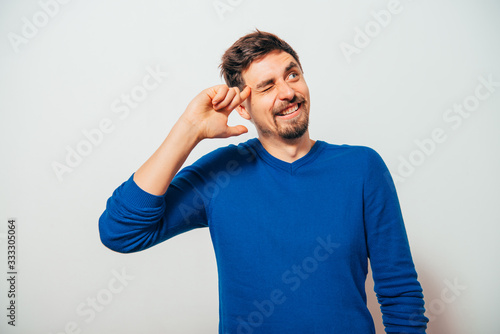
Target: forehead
271 65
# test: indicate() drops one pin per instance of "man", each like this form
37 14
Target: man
293 221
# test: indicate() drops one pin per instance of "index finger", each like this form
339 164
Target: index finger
245 93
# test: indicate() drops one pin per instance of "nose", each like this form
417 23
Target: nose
285 92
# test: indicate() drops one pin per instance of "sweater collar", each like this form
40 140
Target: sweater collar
290 167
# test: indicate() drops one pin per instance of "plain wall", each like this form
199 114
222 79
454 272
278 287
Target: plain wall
397 91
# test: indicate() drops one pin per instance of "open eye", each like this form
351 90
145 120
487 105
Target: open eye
293 75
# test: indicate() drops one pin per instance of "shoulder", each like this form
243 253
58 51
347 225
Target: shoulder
357 161
231 152
367 165
228 158
358 153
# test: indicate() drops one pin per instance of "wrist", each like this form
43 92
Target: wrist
190 129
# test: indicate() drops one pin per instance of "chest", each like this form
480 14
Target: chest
262 213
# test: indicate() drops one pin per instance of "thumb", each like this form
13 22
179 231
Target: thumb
236 130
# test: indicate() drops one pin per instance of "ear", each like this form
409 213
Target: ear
242 110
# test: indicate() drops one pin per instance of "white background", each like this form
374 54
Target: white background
64 78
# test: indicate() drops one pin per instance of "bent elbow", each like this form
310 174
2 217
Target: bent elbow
110 238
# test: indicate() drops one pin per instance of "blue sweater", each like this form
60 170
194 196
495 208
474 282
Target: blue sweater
291 240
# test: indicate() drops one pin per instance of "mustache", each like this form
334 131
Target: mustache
296 99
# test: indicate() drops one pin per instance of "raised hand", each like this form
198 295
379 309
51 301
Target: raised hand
209 111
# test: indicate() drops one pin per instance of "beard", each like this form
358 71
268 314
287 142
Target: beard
294 128
288 129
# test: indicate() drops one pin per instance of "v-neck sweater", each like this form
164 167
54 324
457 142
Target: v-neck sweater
292 240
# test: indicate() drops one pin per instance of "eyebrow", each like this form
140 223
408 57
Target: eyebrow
264 83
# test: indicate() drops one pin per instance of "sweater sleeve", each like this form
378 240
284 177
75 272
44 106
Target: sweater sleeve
396 286
135 220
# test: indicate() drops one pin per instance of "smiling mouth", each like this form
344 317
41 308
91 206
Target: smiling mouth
291 111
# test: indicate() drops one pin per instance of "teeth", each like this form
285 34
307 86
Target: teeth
289 111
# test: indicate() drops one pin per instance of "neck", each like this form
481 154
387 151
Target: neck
287 150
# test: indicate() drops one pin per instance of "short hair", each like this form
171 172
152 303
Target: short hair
247 49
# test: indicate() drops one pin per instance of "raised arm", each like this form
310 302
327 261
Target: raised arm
205 117
149 207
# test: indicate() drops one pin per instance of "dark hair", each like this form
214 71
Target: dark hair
247 49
